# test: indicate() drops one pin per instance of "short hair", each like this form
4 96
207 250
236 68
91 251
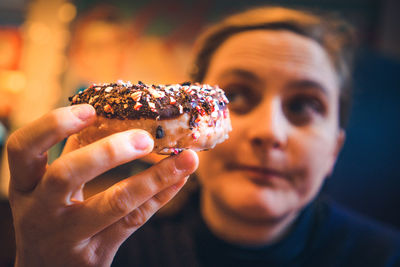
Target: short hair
334 35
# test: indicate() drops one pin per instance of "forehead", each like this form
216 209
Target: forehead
271 52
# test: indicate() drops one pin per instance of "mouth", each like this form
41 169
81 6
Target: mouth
259 175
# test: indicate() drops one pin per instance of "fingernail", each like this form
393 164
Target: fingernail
141 140
83 112
184 161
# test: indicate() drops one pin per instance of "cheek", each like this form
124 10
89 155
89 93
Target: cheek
212 162
231 147
312 154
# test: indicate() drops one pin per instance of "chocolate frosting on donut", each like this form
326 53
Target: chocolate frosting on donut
124 100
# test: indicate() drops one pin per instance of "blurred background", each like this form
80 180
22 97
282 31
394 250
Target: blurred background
51 48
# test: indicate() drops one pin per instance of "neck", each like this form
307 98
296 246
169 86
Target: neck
236 229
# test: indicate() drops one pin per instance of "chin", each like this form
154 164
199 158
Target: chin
243 198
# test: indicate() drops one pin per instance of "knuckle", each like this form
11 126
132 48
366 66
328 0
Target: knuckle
163 197
111 149
60 123
13 145
160 179
57 125
136 218
86 258
59 175
164 174
120 201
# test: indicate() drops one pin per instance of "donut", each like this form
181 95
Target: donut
178 116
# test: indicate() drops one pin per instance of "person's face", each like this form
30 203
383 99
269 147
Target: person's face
283 95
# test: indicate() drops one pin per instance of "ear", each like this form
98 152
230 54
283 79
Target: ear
340 139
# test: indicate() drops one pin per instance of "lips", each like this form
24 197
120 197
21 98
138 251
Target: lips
259 175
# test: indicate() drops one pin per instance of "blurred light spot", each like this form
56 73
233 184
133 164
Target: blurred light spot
12 81
62 62
61 38
66 12
39 33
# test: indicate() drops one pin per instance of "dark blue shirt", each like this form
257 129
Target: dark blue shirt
323 235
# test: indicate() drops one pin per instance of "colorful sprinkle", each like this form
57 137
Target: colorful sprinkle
196 135
137 106
107 108
136 96
201 102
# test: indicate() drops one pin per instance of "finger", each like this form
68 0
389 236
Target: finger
118 232
71 144
40 135
104 209
67 173
27 146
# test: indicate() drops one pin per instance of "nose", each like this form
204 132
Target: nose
270 127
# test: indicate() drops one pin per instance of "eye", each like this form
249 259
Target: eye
303 109
242 98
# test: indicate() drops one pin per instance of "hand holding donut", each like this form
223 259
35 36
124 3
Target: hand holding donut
54 225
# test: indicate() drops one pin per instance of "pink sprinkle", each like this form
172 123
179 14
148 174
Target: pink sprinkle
136 96
196 135
152 106
187 89
137 106
154 93
225 112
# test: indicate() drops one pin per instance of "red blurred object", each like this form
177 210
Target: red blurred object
10 48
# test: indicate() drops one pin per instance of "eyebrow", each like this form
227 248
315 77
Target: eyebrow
248 75
307 84
301 84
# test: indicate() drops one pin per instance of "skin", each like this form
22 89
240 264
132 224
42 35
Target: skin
54 224
284 97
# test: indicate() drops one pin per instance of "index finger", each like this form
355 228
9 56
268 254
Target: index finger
27 146
104 209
